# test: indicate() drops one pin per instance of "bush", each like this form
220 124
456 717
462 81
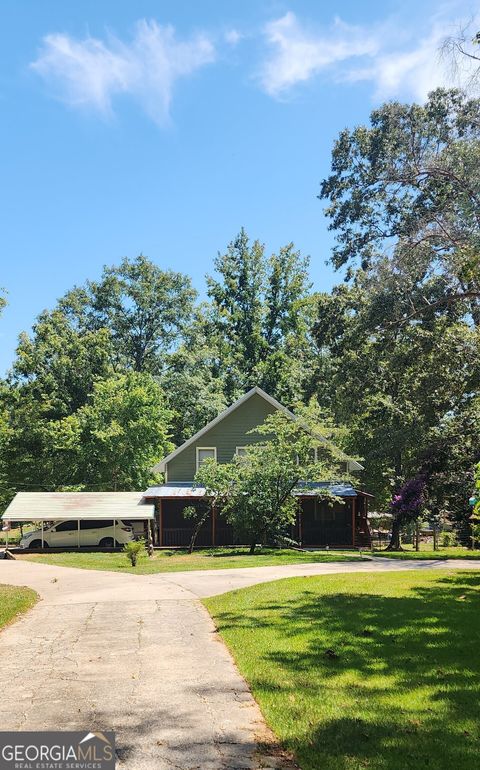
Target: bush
133 550
448 539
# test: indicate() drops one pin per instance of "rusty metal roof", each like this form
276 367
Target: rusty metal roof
178 489
186 489
50 506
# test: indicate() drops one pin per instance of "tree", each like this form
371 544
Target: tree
406 507
398 387
145 309
462 52
408 184
193 382
58 364
119 434
259 320
218 480
398 342
257 489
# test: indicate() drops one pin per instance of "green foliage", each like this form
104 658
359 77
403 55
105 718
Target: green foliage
448 539
400 352
255 492
260 317
411 180
120 433
144 308
133 550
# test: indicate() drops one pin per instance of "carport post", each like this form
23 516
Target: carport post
78 533
114 532
41 524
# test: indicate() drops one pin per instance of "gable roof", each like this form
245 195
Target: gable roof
160 467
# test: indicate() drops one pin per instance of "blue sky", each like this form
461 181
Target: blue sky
163 127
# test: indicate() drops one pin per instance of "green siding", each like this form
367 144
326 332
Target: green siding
231 432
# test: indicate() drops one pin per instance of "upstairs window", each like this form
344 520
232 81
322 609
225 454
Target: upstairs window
205 453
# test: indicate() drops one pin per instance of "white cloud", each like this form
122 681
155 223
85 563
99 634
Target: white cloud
91 72
416 71
398 62
233 37
297 55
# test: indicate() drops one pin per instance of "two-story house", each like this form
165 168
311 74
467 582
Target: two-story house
318 523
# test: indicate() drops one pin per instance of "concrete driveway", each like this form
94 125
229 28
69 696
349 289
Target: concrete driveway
139 655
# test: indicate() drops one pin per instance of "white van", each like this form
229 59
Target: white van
64 534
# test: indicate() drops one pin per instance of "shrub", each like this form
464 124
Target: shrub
133 550
447 539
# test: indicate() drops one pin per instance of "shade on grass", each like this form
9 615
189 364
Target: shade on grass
13 601
178 561
378 671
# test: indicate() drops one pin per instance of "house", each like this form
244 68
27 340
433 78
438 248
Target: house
317 524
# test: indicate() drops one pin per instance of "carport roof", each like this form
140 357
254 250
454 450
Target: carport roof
51 506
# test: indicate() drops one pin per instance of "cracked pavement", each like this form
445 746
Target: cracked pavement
138 654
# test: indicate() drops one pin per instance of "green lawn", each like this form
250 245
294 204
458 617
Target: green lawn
363 671
13 601
178 561
426 552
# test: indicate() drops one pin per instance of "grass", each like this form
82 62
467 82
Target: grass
363 671
15 535
178 561
13 601
427 552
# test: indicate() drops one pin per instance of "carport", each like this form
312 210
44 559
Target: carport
78 506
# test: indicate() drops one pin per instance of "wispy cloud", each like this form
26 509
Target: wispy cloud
297 54
397 63
90 73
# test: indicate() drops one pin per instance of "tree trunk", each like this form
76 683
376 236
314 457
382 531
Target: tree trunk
417 536
394 544
252 547
197 529
149 539
435 539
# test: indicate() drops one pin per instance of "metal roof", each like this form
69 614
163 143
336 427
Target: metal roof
310 489
50 506
187 489
175 490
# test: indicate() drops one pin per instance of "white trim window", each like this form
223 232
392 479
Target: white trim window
205 453
241 451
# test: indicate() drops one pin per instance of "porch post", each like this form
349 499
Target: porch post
41 524
300 516
354 510
114 533
160 521
78 533
214 516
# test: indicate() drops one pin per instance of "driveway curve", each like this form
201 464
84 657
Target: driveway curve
139 654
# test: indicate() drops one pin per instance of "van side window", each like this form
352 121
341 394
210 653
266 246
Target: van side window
96 524
66 526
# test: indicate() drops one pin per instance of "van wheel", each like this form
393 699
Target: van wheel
107 542
38 544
